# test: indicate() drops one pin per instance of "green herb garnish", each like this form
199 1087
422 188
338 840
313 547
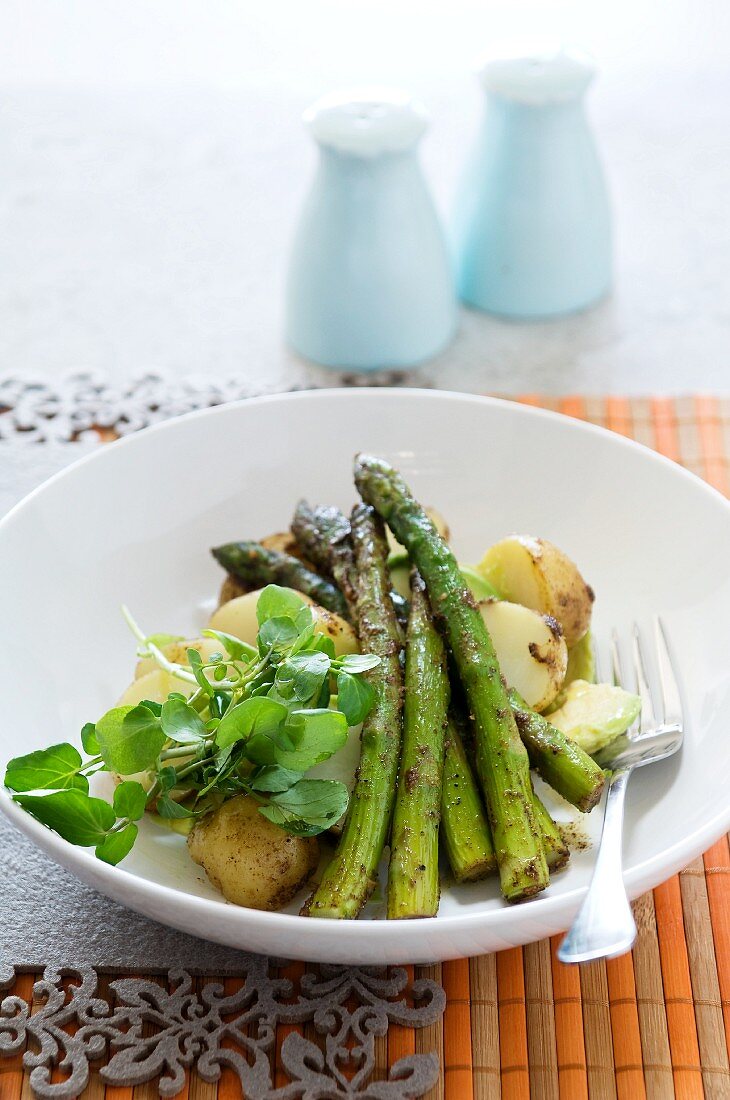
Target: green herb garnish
257 719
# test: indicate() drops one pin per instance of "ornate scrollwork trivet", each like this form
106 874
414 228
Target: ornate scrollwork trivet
144 1032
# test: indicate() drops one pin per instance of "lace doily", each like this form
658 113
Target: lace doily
85 405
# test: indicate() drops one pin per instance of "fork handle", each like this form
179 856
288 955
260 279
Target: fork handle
604 926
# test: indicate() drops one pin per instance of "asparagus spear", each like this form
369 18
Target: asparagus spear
502 763
255 566
413 875
559 761
323 534
350 877
557 852
465 830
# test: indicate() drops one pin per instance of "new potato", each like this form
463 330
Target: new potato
238 617
249 859
535 573
530 649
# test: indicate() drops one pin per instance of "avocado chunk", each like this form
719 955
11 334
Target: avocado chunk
581 661
593 715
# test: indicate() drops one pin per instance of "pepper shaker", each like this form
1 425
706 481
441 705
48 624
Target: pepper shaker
370 283
532 226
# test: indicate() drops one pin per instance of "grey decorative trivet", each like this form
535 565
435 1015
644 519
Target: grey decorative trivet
186 1029
50 921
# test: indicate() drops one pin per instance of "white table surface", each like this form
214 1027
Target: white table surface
153 164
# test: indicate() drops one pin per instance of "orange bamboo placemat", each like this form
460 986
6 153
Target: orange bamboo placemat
520 1025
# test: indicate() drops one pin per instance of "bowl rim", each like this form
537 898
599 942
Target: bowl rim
123 885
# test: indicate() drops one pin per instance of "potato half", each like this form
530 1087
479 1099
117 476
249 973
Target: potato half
530 648
535 573
249 859
238 617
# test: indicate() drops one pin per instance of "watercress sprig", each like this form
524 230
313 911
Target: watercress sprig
250 720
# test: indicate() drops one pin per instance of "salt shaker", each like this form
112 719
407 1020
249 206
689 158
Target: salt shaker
532 224
370 282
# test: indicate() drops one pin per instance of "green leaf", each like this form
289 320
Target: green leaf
181 723
253 717
277 633
234 647
276 601
304 620
170 809
303 675
155 707
196 667
309 807
89 740
355 697
325 644
116 846
358 662
219 703
273 779
314 736
72 814
55 768
130 739
305 639
265 747
167 778
130 799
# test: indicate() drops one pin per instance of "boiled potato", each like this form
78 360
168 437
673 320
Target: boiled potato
238 617
535 573
156 685
530 648
249 859
177 653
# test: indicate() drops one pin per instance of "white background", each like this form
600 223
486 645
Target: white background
152 164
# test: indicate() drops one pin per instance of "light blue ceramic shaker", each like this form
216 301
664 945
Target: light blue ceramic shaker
533 224
370 283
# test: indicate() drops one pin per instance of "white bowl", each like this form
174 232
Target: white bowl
134 522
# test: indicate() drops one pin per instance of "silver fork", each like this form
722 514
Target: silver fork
604 926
